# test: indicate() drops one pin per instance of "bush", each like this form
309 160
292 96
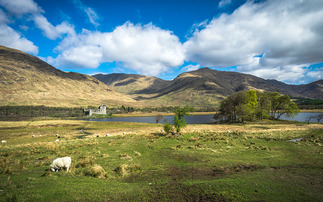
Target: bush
167 127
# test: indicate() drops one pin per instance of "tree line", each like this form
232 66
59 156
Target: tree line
40 111
254 105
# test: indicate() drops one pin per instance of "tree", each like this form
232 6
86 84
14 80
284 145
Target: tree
252 105
282 104
158 118
179 121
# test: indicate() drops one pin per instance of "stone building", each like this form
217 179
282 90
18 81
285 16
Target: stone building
101 110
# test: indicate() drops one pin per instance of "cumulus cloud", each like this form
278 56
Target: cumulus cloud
189 68
316 74
146 49
29 7
20 7
50 31
11 38
286 35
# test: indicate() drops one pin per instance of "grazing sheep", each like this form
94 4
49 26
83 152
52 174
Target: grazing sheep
229 131
124 133
33 136
57 135
3 141
39 135
59 163
57 140
107 135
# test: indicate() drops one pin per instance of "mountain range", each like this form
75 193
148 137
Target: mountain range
201 87
27 80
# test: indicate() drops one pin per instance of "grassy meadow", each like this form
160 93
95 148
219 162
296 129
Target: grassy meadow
206 162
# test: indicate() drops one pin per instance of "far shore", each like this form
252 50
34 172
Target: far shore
135 114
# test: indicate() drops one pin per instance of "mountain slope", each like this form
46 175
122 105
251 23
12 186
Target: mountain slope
202 87
27 80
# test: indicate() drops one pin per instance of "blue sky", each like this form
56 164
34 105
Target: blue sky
271 39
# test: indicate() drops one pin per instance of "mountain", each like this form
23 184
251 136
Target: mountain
27 80
201 87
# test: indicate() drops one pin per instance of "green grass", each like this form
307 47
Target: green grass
147 165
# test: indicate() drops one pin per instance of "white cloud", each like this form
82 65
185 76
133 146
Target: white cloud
93 17
20 7
287 34
50 31
91 14
79 56
146 49
25 7
13 39
317 74
189 68
223 3
3 17
287 73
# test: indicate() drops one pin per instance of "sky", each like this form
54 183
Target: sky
271 39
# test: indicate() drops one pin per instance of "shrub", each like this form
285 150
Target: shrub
96 171
125 169
86 161
167 127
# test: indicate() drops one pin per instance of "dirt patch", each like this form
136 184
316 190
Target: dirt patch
235 169
176 191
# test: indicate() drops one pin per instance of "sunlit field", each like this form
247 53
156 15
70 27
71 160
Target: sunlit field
138 161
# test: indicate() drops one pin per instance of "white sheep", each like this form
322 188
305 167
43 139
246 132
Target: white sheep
3 141
57 140
57 135
124 133
107 135
61 163
33 136
229 131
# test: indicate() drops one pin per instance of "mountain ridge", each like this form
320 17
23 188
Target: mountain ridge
27 80
203 86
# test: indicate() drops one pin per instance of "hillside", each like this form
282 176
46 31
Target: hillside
27 80
201 87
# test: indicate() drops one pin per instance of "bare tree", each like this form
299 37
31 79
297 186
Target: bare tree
158 118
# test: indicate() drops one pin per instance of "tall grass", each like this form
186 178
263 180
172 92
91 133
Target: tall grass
205 162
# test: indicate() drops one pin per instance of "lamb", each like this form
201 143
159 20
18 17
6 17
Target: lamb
3 141
59 163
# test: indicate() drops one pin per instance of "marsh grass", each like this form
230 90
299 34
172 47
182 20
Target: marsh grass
206 162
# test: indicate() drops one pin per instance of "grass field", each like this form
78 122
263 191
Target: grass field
206 162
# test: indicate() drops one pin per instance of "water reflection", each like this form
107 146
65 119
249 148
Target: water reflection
195 119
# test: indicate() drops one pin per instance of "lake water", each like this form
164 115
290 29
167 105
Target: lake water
196 119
